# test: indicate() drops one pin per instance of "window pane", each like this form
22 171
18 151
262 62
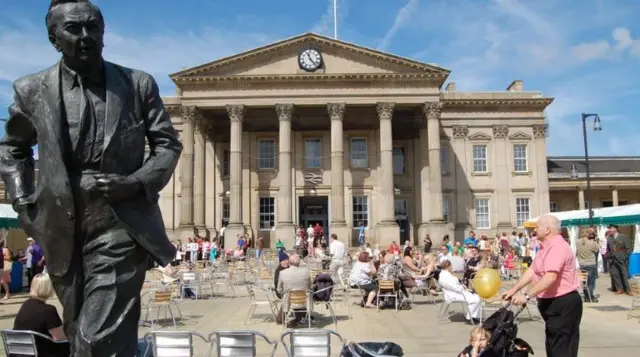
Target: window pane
267 213
225 212
313 154
523 212
444 162
553 207
266 154
479 158
398 161
360 208
482 213
445 209
520 158
359 153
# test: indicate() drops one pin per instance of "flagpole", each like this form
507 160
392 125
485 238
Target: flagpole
335 19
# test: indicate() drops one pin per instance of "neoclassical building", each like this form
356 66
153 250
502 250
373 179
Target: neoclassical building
315 130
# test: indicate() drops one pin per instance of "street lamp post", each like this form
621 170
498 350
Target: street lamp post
596 127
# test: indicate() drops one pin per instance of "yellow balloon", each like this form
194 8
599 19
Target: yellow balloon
486 283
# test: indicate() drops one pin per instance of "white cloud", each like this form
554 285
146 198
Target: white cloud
591 51
24 49
403 15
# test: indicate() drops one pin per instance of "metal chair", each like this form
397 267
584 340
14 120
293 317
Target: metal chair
444 306
295 301
309 343
255 302
160 299
23 342
238 343
386 289
173 343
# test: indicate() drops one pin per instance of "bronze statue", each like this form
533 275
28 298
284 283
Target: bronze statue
94 209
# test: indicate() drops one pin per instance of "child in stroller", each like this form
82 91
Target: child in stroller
497 337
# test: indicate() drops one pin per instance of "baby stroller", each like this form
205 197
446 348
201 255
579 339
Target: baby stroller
504 340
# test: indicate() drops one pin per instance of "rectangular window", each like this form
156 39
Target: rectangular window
358 151
444 160
360 208
483 220
312 153
266 154
225 212
398 161
523 211
520 158
400 210
267 212
479 158
553 207
445 209
226 162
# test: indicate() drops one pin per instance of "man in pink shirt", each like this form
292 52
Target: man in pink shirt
554 282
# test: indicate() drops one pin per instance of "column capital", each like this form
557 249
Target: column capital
540 130
460 131
189 113
284 111
500 131
385 109
236 112
336 110
432 110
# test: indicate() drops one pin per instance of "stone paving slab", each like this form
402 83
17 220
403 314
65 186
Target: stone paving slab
418 330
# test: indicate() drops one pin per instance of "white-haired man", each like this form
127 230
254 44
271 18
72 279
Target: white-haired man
555 284
294 278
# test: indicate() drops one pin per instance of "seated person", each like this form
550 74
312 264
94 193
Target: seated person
444 254
38 316
170 275
284 264
389 271
477 344
454 291
362 276
474 263
294 278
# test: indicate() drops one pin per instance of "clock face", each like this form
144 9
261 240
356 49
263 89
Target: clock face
310 60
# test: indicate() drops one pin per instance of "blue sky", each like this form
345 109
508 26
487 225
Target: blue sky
585 53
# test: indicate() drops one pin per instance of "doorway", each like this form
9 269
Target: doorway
402 218
312 210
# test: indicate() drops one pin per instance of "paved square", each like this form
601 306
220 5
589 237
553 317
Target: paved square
605 328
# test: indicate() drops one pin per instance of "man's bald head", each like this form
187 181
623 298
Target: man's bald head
548 225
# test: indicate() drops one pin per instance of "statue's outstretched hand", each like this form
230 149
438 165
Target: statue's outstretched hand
116 187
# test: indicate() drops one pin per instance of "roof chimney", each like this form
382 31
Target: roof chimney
516 86
451 87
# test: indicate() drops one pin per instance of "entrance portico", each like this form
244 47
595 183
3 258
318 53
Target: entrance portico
363 130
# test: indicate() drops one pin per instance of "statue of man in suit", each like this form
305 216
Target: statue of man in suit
94 209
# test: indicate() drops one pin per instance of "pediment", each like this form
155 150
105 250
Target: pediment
519 136
480 137
339 58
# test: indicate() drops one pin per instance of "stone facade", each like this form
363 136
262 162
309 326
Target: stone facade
368 137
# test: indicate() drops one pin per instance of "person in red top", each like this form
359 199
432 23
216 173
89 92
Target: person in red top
555 283
394 248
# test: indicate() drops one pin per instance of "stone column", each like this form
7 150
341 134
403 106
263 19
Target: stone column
437 226
199 176
540 132
338 224
463 196
235 227
423 168
581 201
387 228
285 230
503 170
186 168
614 196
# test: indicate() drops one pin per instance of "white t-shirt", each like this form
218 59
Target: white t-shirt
310 232
337 250
360 274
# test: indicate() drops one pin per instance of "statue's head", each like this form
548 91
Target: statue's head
76 29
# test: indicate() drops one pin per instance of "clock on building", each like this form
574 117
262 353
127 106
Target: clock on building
310 60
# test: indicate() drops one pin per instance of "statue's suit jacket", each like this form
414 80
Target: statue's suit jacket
134 110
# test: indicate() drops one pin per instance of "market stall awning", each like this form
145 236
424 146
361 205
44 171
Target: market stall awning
8 217
620 215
